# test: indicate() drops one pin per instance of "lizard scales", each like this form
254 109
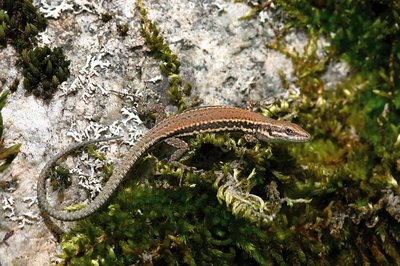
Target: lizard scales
188 123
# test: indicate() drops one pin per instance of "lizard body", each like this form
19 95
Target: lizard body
189 123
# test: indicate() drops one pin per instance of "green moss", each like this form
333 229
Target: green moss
44 69
14 85
363 32
7 154
106 17
4 21
108 166
61 178
129 232
20 23
354 155
187 223
179 89
123 29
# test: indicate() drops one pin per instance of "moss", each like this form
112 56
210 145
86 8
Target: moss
106 17
354 155
155 234
4 21
44 70
61 178
187 223
179 89
7 154
22 22
107 166
123 29
14 85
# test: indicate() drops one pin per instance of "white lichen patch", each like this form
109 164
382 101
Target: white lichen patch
8 206
23 218
92 131
90 172
88 169
54 10
85 80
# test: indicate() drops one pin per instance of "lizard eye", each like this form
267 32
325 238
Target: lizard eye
289 131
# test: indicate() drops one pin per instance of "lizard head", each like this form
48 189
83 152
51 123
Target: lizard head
283 131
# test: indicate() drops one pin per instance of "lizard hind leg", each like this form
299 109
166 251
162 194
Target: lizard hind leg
181 148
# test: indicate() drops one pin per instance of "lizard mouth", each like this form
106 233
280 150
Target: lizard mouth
303 137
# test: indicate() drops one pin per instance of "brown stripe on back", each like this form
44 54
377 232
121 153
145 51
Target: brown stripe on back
212 118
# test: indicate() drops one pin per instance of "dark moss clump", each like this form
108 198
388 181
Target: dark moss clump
44 69
61 178
14 85
188 224
20 23
363 32
106 17
123 29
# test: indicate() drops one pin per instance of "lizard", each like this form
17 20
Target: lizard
189 123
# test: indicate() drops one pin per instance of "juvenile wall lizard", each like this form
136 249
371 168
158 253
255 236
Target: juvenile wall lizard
188 123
